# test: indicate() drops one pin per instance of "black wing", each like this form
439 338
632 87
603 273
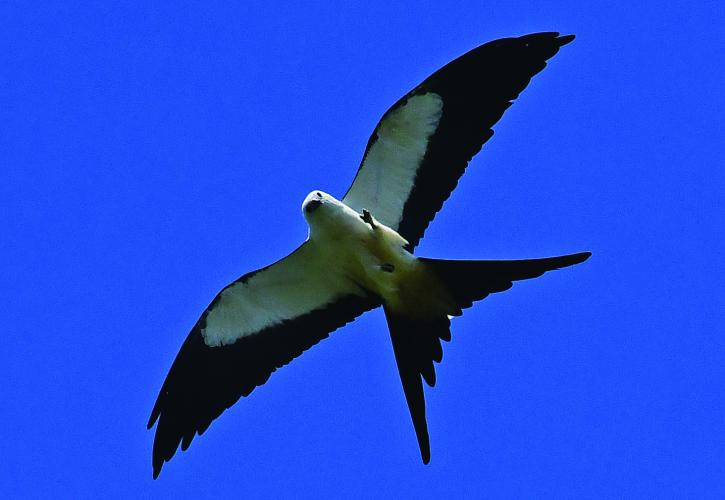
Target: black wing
254 326
423 143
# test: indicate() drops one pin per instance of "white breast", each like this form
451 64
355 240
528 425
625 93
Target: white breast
349 244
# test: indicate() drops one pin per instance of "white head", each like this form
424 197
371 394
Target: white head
313 202
325 214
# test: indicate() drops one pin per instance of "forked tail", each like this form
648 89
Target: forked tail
416 342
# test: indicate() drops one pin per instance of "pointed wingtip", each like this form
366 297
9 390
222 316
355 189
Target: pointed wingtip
157 461
156 464
564 39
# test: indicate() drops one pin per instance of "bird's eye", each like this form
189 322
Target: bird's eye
319 195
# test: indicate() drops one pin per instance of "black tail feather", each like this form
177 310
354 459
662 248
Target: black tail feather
416 344
416 341
471 280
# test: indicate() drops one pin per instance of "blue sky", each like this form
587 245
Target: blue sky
151 153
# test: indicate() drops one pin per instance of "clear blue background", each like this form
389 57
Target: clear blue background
153 152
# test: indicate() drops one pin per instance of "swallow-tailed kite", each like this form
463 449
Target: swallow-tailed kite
359 253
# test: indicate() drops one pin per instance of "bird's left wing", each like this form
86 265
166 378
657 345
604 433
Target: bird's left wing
255 325
423 143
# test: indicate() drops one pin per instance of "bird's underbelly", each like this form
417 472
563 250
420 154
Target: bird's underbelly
376 261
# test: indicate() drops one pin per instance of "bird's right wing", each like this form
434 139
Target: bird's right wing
255 325
423 143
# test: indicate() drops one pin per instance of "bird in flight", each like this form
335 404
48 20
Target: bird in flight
359 254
